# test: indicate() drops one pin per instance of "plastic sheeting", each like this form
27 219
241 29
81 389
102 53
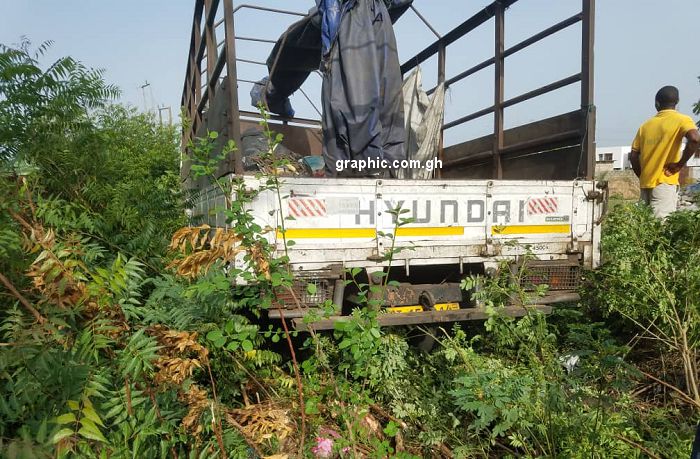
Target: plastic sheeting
362 95
299 51
333 11
424 120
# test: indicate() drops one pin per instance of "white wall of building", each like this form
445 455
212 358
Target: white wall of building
618 155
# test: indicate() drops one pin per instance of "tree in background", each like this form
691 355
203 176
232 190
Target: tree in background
93 167
40 105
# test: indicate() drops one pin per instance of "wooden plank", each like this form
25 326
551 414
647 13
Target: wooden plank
553 164
568 122
419 318
302 140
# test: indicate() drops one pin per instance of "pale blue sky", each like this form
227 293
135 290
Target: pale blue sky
641 45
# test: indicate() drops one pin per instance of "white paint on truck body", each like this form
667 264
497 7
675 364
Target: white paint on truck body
339 222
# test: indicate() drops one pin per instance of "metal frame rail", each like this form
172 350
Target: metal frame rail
208 58
496 11
205 59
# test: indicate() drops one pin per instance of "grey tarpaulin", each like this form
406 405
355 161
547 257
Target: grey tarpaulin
424 118
297 53
362 96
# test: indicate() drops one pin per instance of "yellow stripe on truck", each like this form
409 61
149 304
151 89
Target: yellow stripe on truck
430 231
368 233
530 229
329 233
419 308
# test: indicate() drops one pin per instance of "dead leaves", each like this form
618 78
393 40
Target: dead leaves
197 401
203 246
264 422
260 262
180 355
175 342
55 273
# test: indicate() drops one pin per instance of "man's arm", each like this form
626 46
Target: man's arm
636 164
691 147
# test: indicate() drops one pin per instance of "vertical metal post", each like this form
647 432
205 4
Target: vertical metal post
234 125
499 90
185 104
210 34
442 63
587 165
195 73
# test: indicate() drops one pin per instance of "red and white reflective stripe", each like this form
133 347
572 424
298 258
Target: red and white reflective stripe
541 206
307 207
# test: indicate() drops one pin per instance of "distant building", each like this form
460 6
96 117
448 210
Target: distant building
693 170
619 156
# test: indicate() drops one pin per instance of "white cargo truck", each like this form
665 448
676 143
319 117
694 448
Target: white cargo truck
524 193
456 227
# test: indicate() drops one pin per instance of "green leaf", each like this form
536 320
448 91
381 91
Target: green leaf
115 410
375 332
90 413
247 345
391 429
65 418
216 337
233 345
60 435
311 406
41 433
92 433
311 289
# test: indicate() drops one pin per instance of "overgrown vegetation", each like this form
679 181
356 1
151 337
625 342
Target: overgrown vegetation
126 333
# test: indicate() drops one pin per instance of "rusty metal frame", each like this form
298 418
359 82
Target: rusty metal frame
496 12
203 43
205 59
425 317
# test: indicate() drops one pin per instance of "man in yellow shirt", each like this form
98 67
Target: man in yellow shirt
656 152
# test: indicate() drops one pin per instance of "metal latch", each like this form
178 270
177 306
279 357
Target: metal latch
598 195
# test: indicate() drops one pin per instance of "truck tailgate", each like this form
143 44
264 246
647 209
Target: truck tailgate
342 221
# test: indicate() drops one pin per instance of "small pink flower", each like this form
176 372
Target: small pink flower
323 448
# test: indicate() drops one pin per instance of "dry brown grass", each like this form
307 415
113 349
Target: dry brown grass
622 184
